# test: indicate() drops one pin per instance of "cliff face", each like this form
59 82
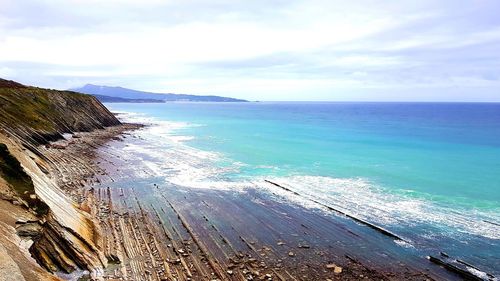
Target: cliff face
40 115
68 238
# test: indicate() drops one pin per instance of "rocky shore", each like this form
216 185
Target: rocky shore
58 235
156 231
144 242
76 206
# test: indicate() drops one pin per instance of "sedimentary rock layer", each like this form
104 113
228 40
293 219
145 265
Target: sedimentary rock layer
30 117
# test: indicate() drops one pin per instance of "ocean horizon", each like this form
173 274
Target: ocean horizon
427 172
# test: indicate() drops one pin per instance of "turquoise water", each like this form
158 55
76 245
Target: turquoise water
427 171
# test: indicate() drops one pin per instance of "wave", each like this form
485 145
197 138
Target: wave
166 153
364 199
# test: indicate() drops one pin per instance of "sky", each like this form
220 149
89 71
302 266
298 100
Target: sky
291 50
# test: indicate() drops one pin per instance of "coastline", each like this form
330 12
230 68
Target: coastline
162 234
44 224
28 238
94 198
151 231
74 169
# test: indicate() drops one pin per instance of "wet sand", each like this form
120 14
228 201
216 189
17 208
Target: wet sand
155 231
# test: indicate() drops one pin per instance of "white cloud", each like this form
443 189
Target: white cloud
267 48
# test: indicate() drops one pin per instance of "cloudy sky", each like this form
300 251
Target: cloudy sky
259 49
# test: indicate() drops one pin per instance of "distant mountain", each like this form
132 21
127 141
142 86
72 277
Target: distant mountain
129 95
102 98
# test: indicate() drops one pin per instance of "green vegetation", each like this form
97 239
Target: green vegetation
35 107
40 115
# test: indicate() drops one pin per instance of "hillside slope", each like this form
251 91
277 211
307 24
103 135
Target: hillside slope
41 115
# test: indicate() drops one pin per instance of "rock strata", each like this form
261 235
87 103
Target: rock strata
64 238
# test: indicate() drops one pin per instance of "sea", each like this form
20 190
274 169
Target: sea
428 172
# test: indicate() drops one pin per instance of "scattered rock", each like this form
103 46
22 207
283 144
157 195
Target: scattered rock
21 221
58 146
291 254
336 269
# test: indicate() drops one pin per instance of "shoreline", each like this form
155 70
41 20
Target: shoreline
161 239
72 167
65 167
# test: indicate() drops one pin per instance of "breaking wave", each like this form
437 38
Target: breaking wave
166 153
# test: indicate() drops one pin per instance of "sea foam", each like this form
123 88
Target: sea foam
165 151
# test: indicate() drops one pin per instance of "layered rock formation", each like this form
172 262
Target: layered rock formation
30 117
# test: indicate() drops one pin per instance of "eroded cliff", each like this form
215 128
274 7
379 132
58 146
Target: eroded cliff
68 238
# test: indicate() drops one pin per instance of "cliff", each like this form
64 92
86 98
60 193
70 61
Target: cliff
40 115
62 236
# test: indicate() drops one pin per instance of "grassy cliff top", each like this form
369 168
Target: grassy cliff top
44 114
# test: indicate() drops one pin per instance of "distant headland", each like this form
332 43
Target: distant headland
120 94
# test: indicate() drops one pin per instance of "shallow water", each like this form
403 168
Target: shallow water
427 172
